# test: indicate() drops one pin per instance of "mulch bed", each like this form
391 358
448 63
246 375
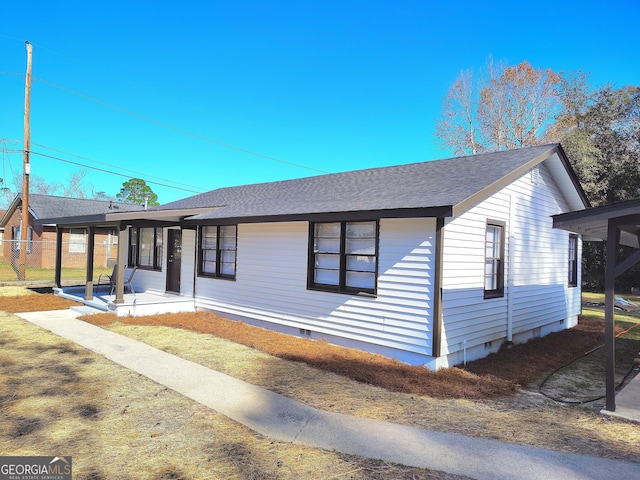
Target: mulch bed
34 303
496 375
352 363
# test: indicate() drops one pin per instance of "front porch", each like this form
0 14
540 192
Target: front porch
134 304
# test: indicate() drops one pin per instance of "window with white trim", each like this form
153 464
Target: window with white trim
343 257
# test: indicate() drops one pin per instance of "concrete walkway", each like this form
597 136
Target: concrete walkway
287 420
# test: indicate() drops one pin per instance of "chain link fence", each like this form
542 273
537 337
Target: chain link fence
33 262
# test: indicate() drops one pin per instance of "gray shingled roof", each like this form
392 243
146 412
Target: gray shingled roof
418 185
48 206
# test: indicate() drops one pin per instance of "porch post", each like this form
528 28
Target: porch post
88 289
122 242
58 269
613 238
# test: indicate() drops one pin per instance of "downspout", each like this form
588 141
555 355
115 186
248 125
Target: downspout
436 349
511 267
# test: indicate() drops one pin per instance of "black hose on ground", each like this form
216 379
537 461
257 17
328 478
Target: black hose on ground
633 369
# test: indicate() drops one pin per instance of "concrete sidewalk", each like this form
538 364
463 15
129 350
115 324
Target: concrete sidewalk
287 420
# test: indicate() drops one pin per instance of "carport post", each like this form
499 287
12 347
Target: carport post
613 238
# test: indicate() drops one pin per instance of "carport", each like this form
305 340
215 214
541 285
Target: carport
617 224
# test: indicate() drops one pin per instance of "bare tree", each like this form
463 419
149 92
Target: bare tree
574 97
512 109
457 128
72 187
37 184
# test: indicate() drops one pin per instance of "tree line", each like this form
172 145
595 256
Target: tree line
518 106
134 190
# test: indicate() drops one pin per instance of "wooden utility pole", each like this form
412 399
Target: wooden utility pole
26 171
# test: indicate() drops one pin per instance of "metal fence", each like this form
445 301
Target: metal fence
33 262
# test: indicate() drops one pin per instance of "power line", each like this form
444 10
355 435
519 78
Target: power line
107 171
176 129
140 174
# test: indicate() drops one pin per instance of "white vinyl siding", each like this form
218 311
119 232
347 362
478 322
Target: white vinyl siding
538 284
273 287
188 263
272 277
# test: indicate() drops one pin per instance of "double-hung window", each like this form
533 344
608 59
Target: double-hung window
573 261
494 260
343 257
218 245
145 248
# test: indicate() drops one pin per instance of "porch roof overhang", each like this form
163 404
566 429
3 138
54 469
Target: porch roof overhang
593 223
617 224
166 217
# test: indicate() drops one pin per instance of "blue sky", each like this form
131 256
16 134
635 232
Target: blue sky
154 89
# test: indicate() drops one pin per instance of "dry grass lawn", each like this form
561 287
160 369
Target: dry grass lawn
59 399
493 398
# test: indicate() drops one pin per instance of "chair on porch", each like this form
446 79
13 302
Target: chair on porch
108 279
127 281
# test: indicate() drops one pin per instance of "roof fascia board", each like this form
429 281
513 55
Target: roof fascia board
149 223
117 218
360 215
572 175
632 220
158 214
84 220
501 183
595 214
517 173
13 206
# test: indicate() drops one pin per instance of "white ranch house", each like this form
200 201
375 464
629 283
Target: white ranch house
432 263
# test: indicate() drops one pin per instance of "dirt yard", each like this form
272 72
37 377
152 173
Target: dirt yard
497 398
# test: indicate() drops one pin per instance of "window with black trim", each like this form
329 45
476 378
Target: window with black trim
218 248
343 257
145 248
494 260
573 261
